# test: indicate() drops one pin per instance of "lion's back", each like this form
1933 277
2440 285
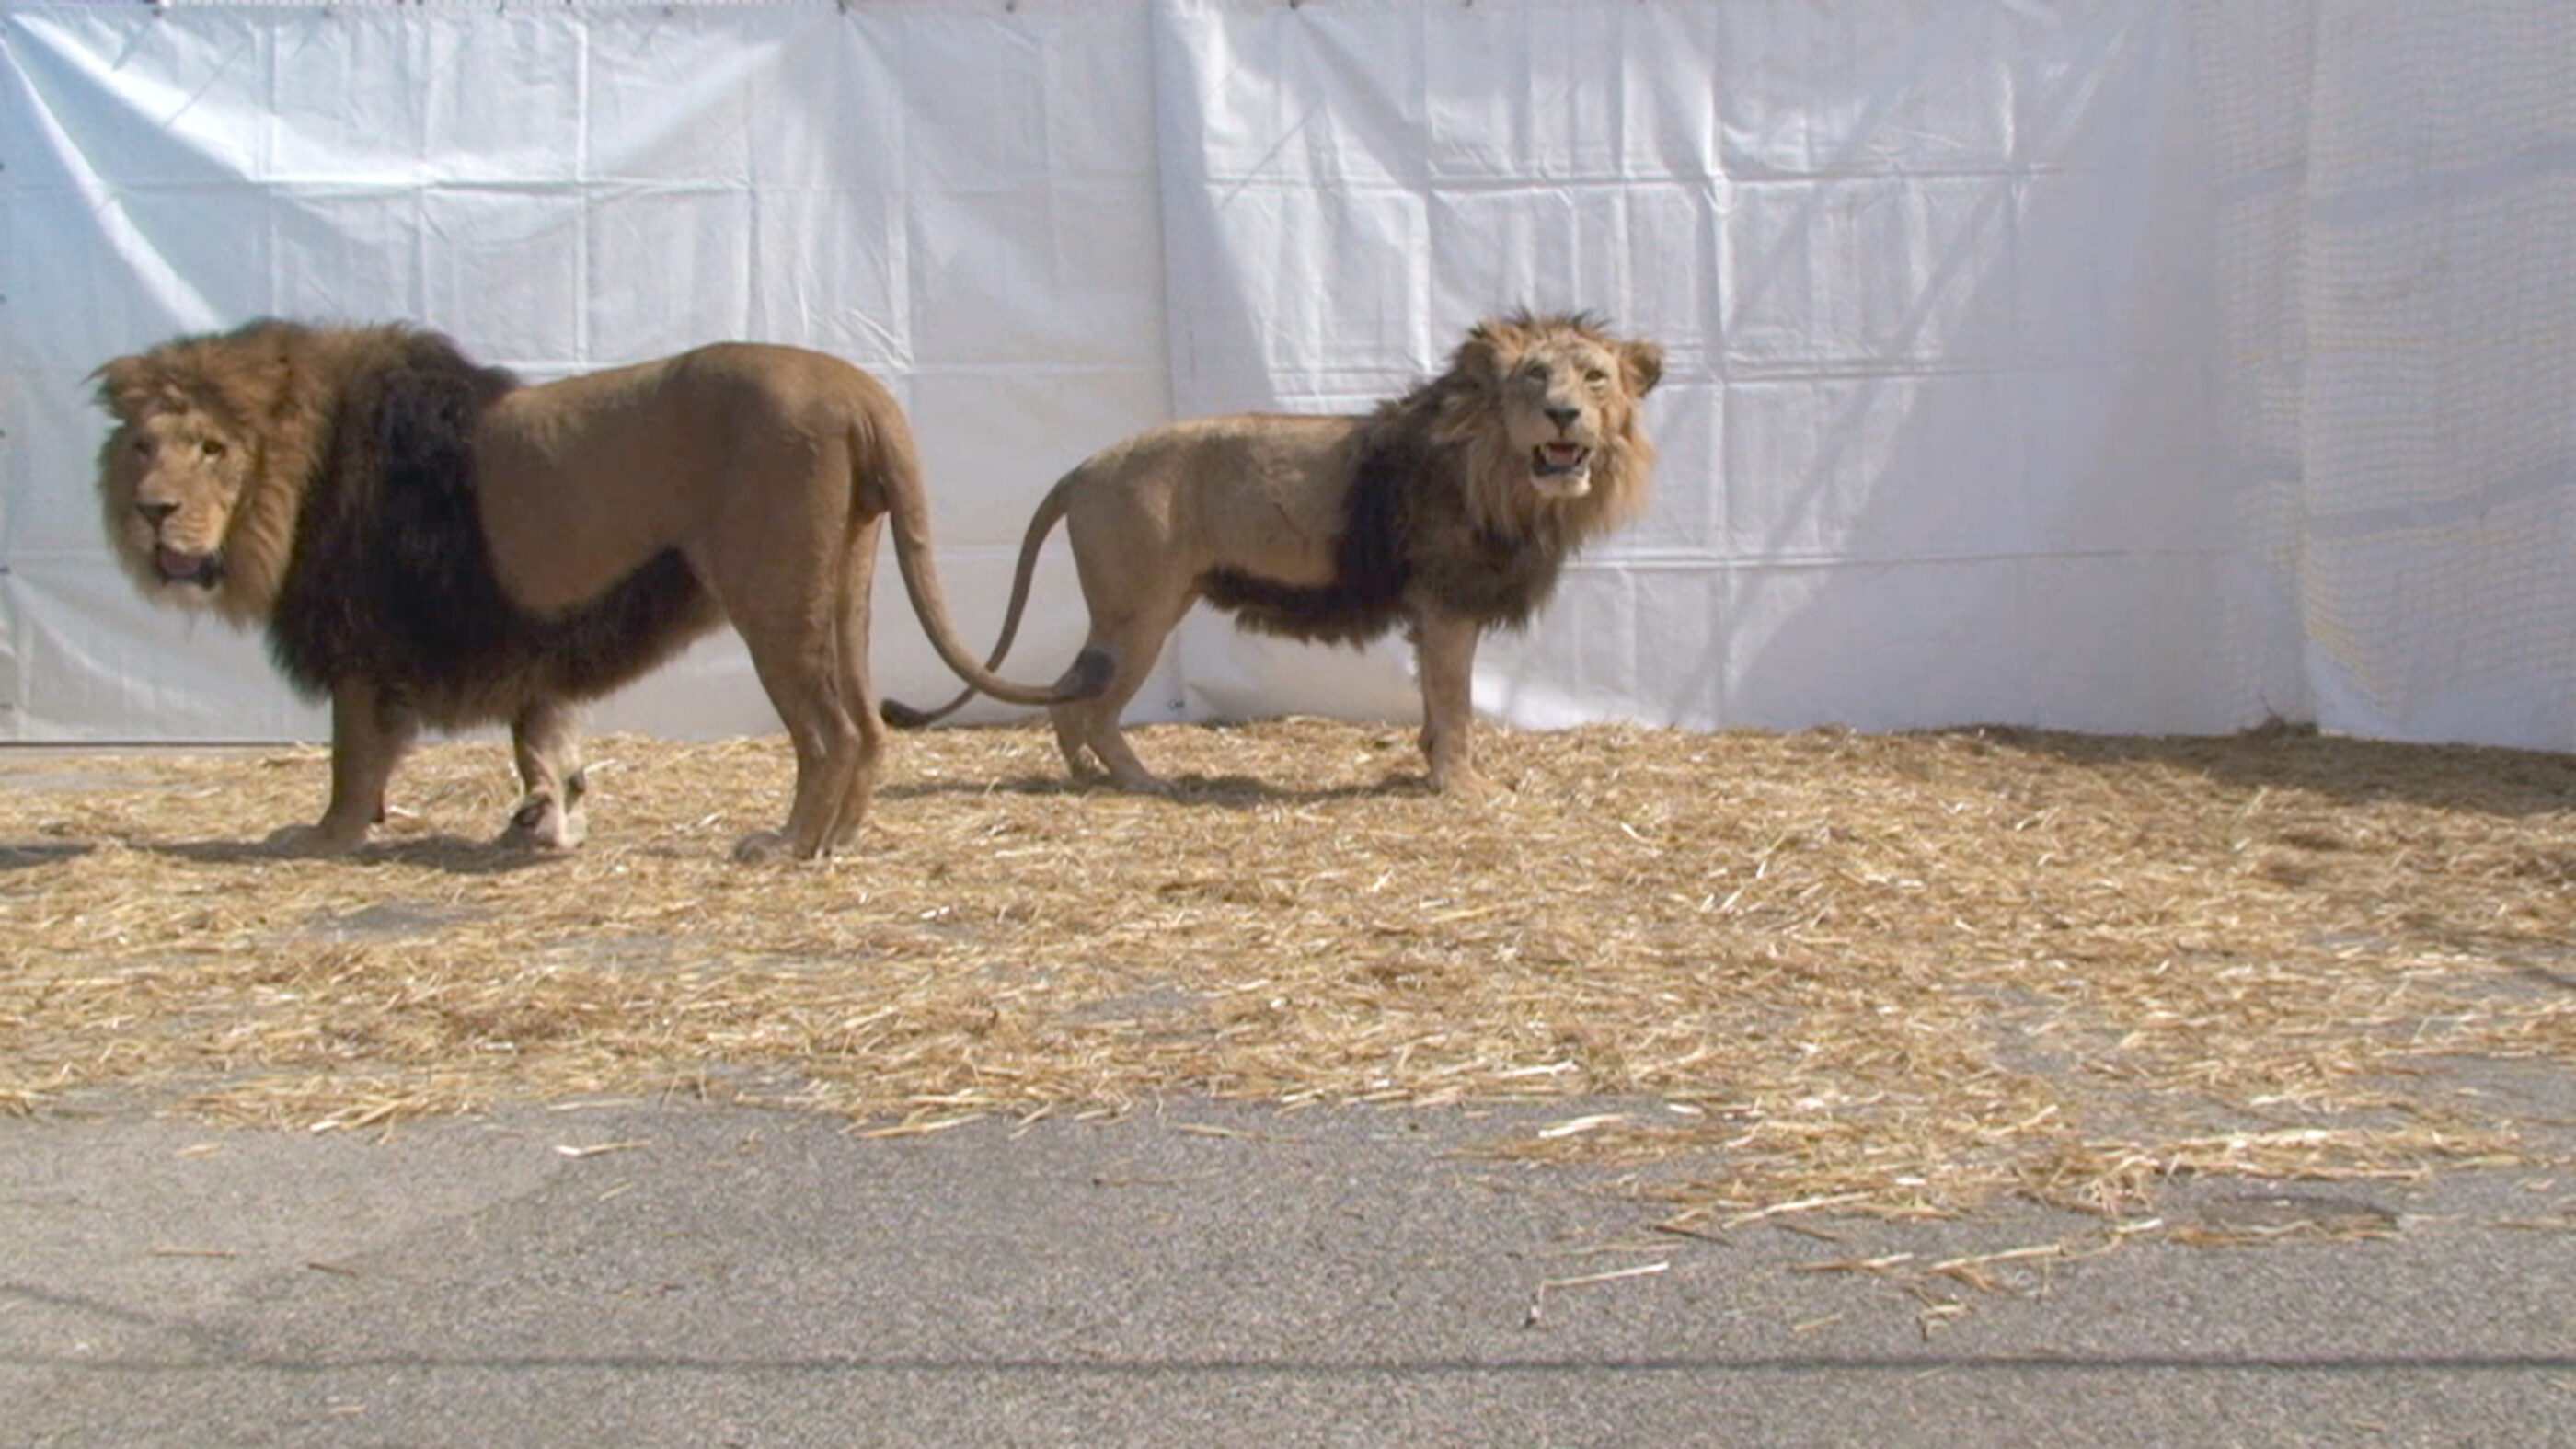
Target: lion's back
585 479
1261 492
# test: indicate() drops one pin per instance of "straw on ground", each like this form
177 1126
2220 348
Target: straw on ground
1898 974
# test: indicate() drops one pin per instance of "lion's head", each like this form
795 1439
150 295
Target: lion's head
1546 408
185 478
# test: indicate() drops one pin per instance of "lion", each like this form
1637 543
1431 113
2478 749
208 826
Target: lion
429 542
1450 510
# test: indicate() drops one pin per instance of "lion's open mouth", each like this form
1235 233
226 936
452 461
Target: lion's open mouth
1561 470
1551 460
180 567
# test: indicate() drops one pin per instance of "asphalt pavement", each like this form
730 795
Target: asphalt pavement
1207 1274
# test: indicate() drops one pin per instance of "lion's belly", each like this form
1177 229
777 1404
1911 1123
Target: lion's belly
1298 560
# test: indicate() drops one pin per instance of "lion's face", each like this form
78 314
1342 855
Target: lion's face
1564 393
170 478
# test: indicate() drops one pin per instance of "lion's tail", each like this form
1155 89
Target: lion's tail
908 504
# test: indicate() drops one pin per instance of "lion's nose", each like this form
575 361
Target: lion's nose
1564 418
156 513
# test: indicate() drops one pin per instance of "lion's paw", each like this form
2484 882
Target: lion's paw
1467 784
312 840
542 823
1135 782
761 847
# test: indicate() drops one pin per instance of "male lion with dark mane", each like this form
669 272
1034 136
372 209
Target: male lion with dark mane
1449 510
430 543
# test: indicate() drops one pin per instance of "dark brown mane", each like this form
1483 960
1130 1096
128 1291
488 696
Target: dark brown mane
391 578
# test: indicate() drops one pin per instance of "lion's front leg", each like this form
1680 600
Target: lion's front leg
369 736
546 741
1445 657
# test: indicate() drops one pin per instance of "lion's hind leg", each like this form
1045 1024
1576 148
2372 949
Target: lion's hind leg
1089 727
1094 729
811 652
856 697
836 757
546 740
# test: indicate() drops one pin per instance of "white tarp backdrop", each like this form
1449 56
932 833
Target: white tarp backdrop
2108 364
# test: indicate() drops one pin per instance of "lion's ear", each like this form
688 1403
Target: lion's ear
123 385
1645 364
1480 356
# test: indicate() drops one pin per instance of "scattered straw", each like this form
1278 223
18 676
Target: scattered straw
1534 1316
1900 975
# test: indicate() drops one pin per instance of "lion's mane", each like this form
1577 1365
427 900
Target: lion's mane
357 546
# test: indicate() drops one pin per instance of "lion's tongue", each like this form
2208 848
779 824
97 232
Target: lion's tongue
1561 456
184 568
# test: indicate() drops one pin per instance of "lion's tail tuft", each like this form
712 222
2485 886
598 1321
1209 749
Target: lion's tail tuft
907 717
1090 674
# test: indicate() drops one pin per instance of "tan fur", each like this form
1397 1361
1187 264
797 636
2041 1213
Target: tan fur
1154 518
768 470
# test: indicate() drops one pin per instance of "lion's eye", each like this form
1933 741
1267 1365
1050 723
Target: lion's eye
212 448
1597 378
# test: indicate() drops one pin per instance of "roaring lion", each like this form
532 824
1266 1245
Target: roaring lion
428 542
1449 510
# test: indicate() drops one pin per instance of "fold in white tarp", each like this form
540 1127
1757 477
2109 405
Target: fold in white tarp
2121 365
